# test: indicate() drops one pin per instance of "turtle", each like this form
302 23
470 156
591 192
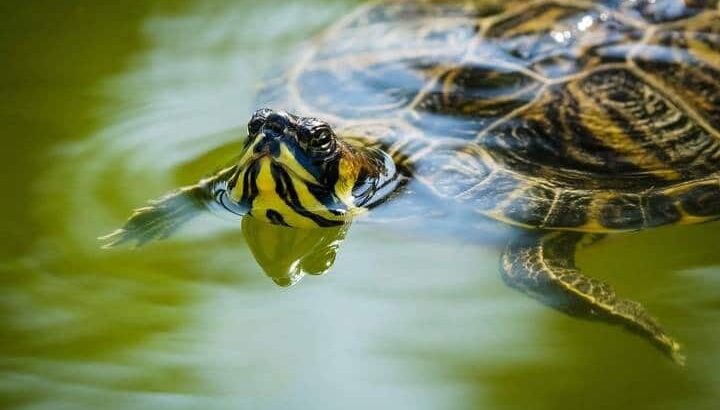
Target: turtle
563 119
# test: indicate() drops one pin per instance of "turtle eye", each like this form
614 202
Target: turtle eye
321 141
257 121
254 125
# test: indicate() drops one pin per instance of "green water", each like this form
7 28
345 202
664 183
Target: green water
107 105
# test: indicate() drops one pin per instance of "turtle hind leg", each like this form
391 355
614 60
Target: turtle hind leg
544 267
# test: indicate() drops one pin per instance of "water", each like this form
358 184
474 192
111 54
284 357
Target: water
105 106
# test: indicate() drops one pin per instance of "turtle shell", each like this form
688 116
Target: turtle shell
589 116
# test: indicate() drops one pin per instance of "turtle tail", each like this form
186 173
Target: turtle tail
161 217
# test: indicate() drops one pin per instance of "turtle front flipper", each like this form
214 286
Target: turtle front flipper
544 267
161 217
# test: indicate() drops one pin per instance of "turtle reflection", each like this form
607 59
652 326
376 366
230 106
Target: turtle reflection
288 254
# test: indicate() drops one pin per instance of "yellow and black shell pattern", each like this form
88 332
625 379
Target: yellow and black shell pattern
577 115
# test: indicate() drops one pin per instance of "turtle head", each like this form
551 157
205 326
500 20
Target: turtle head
296 171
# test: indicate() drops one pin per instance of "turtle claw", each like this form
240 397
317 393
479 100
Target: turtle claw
114 238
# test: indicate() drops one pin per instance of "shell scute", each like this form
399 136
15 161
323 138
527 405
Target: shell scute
661 11
701 200
623 211
660 209
570 210
532 204
557 40
465 100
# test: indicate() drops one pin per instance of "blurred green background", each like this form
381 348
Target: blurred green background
107 104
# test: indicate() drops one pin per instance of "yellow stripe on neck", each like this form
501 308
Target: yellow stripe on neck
268 199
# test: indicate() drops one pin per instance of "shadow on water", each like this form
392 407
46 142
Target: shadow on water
114 104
